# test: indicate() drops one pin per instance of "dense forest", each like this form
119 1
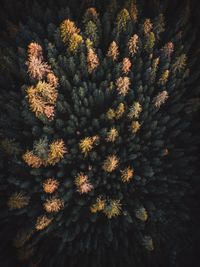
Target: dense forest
99 133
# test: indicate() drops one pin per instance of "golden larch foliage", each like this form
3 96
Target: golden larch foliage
119 111
164 77
18 200
126 65
110 114
35 50
50 185
57 151
99 205
32 160
53 204
127 174
113 51
67 29
134 111
37 105
123 85
82 183
40 97
113 209
80 179
52 79
92 60
112 135
135 126
180 63
47 91
89 43
37 69
133 44
147 26
49 112
110 163
122 19
160 99
74 42
42 222
86 144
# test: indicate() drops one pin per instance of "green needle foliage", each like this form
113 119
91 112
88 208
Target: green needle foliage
97 137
